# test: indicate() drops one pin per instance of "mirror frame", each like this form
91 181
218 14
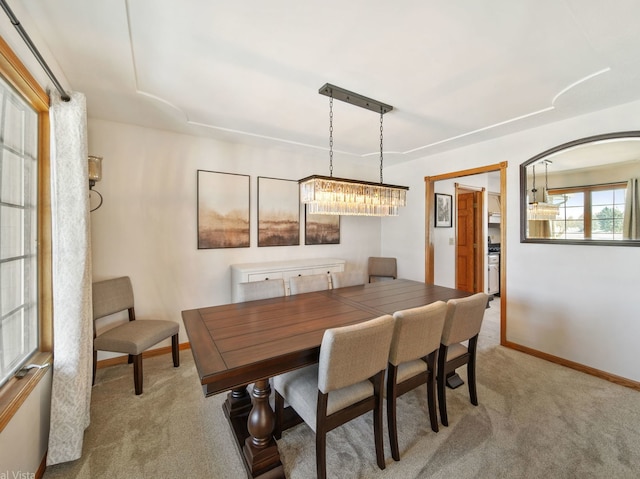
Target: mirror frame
523 192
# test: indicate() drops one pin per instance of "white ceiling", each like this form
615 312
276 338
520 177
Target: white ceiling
455 71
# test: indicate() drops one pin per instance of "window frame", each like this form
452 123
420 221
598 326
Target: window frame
15 391
587 190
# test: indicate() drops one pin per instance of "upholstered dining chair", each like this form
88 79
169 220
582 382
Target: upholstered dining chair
265 289
346 383
412 361
462 323
382 268
342 279
133 337
308 283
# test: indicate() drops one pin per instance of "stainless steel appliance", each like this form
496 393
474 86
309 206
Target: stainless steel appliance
493 265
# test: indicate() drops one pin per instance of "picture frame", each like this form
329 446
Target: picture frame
223 210
321 229
278 212
443 211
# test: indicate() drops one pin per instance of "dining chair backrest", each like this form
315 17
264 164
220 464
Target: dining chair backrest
380 267
111 296
417 332
308 283
354 353
265 289
464 318
343 279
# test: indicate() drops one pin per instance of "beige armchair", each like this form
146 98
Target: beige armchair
462 323
412 361
133 337
346 383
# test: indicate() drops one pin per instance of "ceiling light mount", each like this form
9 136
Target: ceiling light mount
354 98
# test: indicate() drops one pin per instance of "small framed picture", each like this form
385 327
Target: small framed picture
443 213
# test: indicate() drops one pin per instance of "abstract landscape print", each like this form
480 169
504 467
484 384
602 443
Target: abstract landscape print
223 210
321 229
278 212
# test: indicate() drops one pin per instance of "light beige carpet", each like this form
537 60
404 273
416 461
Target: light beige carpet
535 420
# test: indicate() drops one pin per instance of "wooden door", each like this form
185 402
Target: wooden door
465 266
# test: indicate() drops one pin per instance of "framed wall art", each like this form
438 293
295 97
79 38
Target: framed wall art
443 213
321 229
278 212
223 210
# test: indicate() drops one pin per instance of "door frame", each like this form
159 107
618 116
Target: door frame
429 182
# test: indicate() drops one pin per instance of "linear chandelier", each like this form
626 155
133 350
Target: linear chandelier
327 195
542 210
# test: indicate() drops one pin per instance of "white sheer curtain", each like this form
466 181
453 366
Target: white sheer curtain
72 318
631 220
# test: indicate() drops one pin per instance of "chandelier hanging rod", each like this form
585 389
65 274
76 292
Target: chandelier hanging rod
354 98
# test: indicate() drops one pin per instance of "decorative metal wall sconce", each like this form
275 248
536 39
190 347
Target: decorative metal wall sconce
95 175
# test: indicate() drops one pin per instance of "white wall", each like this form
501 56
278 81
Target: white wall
574 302
147 225
24 440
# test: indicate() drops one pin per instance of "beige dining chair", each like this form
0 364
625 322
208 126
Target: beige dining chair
342 279
462 323
412 361
265 289
380 268
346 383
132 337
308 283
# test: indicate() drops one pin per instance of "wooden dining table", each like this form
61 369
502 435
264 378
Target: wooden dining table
234 345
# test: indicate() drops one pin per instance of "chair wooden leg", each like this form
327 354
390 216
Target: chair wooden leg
321 436
392 426
377 419
442 398
431 390
95 366
471 370
175 350
279 412
137 373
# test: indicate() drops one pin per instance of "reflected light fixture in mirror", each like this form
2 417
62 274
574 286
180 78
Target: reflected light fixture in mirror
594 184
95 175
541 210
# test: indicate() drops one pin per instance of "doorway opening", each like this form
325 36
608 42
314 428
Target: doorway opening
430 225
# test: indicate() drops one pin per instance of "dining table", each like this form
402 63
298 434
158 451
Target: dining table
238 344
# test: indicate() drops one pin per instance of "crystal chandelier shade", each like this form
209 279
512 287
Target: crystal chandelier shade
339 196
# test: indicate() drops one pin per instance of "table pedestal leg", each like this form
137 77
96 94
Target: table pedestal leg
260 449
238 402
252 425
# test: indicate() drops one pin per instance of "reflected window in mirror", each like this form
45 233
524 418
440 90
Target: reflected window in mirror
583 192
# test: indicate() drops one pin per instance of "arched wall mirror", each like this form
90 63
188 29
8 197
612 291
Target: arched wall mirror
583 192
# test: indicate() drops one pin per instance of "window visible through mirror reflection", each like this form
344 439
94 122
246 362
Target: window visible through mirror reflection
589 212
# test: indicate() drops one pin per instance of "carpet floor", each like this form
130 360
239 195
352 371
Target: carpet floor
535 419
